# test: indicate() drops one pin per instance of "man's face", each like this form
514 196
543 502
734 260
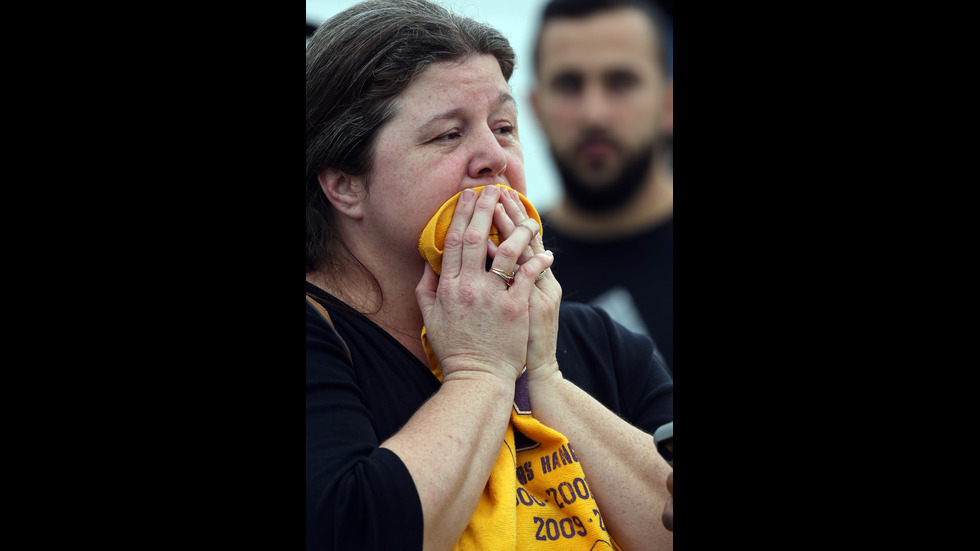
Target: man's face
601 97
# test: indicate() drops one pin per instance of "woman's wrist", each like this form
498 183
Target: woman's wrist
547 374
487 380
543 385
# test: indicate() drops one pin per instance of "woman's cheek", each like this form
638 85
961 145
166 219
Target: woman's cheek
515 175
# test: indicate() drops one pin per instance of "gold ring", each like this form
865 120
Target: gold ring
533 221
508 276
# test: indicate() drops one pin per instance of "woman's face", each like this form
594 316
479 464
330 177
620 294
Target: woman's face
455 128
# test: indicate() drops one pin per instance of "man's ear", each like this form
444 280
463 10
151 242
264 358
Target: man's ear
343 191
669 107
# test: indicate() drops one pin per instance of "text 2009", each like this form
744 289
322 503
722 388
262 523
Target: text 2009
551 529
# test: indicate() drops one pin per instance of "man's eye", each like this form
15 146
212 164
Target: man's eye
567 84
505 130
621 81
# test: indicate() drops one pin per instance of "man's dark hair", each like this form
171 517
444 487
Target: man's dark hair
576 9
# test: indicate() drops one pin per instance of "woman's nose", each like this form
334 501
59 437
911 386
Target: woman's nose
488 159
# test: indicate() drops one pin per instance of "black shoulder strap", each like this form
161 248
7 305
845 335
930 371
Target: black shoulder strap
326 316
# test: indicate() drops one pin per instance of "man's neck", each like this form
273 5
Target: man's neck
653 205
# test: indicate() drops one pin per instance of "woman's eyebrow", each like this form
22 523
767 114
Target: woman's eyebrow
503 98
454 113
457 112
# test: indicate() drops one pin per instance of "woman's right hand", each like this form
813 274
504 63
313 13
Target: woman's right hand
475 322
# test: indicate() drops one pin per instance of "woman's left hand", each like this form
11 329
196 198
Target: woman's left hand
545 298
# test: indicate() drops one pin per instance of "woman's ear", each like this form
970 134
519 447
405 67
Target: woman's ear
343 191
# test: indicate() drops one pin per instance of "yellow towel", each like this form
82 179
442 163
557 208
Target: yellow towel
537 496
433 238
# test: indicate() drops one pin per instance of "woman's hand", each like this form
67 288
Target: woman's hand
545 297
475 322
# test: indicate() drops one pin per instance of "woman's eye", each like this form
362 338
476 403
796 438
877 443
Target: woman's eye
448 137
505 130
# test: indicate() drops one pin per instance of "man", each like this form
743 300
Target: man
604 100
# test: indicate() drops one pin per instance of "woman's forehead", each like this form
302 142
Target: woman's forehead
474 83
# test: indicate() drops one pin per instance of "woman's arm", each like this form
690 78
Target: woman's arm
358 496
626 474
625 471
477 328
419 487
450 446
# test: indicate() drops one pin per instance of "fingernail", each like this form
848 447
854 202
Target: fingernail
468 195
491 191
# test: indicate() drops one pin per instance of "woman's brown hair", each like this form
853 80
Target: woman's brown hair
357 64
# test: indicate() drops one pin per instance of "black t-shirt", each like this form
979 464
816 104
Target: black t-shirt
361 496
631 278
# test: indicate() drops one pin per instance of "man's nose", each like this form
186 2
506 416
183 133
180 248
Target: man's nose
595 106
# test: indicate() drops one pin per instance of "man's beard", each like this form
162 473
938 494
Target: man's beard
615 193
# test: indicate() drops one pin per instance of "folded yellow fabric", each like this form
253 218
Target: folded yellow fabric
537 496
432 241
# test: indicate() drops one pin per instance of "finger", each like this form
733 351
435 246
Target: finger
425 291
504 222
452 254
537 244
501 219
526 273
491 249
510 251
513 207
516 213
475 237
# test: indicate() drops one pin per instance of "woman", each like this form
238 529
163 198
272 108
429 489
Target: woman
407 106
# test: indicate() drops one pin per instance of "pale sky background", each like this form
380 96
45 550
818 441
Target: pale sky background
517 20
